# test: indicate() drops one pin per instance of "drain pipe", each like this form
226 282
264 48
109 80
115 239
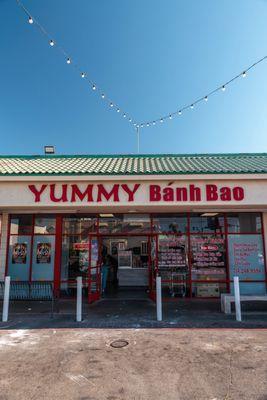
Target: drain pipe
159 298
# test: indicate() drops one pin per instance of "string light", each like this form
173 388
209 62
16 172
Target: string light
147 123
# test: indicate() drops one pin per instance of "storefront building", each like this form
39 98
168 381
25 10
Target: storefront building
197 220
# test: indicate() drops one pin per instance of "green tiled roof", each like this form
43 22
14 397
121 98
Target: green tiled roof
146 164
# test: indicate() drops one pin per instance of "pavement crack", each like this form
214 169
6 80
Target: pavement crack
230 376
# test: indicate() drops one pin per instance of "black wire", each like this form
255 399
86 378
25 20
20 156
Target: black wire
150 122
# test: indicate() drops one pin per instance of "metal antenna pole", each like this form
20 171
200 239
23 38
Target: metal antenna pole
138 140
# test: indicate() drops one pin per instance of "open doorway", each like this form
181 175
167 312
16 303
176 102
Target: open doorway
126 266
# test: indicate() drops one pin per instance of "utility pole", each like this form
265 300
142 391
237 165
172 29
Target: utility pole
138 140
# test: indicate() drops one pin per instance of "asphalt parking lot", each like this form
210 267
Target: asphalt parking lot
172 364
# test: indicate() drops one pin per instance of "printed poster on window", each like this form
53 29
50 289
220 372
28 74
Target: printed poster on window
246 259
19 253
43 253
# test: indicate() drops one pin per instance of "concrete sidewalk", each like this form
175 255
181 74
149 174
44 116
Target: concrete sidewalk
141 313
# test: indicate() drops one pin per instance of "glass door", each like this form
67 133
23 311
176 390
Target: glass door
94 268
153 265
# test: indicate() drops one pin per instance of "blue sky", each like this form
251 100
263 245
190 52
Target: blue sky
151 57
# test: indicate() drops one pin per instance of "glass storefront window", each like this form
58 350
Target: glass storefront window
75 257
43 258
246 259
19 256
173 265
124 223
208 257
79 225
205 222
45 225
21 224
170 223
244 223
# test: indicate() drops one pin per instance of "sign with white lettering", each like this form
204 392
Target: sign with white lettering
246 261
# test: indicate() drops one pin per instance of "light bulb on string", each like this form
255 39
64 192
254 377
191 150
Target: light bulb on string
111 105
141 126
94 87
180 112
52 43
154 123
206 98
223 88
118 110
244 74
192 106
124 115
130 119
83 75
103 95
30 20
161 120
147 124
68 60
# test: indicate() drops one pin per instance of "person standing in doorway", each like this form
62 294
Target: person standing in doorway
104 274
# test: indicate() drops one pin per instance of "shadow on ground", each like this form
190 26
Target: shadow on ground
130 313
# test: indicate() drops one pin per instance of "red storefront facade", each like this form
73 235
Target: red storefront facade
189 250
194 220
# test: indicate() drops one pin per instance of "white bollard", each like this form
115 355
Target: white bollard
237 299
79 299
159 298
6 299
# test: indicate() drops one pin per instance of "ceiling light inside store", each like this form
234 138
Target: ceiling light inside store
209 214
106 215
103 224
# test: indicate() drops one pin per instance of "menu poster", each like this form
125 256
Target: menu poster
208 252
43 253
19 253
246 260
172 252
